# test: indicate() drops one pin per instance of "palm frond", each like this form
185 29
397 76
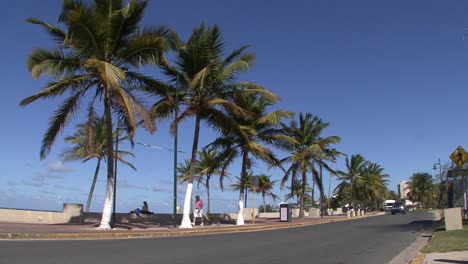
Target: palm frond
58 121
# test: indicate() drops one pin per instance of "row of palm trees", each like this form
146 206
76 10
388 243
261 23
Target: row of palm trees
98 62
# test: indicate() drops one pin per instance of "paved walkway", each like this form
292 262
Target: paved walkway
147 229
133 230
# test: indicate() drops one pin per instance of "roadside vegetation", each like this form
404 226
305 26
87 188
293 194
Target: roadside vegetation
448 241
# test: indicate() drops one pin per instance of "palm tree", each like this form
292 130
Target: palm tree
265 187
343 192
309 152
420 186
82 151
355 171
243 183
250 137
372 185
95 55
295 191
210 163
210 81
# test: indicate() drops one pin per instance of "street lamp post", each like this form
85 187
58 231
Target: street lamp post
329 192
176 113
439 166
115 168
321 193
115 171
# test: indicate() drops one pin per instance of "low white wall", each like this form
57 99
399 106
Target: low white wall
26 216
71 214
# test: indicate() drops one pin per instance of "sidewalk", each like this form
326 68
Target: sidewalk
127 230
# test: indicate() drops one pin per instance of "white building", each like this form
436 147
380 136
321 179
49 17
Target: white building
403 190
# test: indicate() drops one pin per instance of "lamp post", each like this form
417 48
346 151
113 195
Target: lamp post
321 193
436 166
115 170
176 113
115 167
329 192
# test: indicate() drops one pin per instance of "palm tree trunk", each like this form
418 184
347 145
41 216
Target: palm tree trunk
264 204
313 190
240 216
246 196
188 195
109 199
93 185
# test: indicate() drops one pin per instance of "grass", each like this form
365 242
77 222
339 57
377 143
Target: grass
448 241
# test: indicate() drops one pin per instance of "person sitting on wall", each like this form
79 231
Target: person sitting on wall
143 210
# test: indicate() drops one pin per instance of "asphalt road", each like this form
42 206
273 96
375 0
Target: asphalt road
372 240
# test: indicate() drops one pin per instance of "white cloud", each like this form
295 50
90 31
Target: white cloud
58 166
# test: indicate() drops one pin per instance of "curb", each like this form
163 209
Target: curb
419 259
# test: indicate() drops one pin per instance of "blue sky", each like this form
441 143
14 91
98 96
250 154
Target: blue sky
389 76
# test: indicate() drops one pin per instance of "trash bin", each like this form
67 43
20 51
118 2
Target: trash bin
285 213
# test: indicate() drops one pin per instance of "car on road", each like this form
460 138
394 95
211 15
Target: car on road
398 208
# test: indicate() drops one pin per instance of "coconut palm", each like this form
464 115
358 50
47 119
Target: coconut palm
343 192
210 163
82 151
265 187
420 186
203 72
250 137
355 171
295 191
309 152
94 61
243 183
372 185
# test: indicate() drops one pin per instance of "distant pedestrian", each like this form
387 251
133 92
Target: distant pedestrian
198 212
144 210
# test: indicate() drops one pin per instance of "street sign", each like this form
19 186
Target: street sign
459 156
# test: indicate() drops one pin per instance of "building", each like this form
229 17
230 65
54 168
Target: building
404 193
403 190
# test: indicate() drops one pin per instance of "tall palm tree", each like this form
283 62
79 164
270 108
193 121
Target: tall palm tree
309 152
420 186
82 151
250 137
209 79
98 49
343 192
355 171
211 163
372 185
265 187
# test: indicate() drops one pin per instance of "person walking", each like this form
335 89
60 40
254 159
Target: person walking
198 212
